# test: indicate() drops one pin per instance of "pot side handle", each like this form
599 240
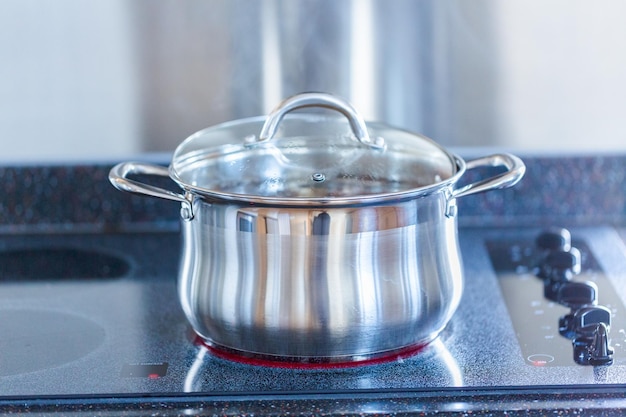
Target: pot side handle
118 176
515 170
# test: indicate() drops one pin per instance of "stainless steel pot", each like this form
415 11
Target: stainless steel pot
320 239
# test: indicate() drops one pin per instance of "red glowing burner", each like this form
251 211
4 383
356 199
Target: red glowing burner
249 358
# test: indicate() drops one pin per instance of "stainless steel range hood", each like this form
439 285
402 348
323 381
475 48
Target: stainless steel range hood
117 77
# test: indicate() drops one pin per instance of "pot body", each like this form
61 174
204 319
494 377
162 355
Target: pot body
326 283
317 240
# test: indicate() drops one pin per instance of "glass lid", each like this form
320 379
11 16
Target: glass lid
310 157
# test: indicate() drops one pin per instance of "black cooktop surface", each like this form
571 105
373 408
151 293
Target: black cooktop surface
97 316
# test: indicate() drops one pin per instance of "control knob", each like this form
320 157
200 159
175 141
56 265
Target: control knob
554 239
558 268
588 327
577 296
584 320
594 349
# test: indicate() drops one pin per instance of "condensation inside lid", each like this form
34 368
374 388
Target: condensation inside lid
311 156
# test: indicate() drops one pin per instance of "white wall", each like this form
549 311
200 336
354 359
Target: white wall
109 78
67 80
562 74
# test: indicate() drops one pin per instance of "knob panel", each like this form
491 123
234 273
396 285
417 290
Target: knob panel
561 303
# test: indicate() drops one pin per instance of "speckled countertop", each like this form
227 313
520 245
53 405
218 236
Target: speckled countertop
572 191
582 190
